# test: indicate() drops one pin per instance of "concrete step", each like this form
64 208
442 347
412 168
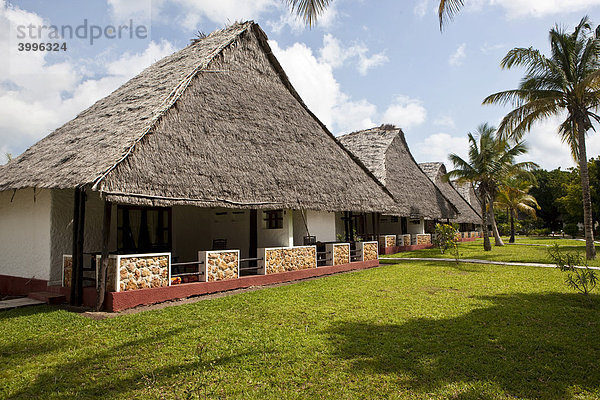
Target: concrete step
48 297
18 303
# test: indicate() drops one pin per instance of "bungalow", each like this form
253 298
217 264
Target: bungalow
206 166
468 218
384 151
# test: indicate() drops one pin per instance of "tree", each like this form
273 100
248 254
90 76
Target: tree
311 10
8 156
489 159
548 188
513 194
567 82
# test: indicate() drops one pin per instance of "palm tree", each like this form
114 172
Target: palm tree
489 160
310 10
514 195
567 82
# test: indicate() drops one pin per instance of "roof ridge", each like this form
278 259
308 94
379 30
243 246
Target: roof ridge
440 165
176 93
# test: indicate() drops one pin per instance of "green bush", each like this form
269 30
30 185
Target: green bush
571 229
579 276
446 238
540 232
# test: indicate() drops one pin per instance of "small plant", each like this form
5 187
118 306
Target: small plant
342 238
579 276
446 238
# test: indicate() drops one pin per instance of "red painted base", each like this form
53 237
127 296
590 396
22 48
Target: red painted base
117 301
17 286
398 249
468 239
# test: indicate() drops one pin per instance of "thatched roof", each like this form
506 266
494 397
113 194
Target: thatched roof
436 171
215 124
385 152
469 194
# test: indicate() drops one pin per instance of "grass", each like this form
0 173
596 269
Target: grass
408 331
537 254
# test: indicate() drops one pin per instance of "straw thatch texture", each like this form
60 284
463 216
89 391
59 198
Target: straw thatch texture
385 152
435 171
469 194
215 124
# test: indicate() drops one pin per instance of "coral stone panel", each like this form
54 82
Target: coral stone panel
290 259
406 239
423 239
67 270
370 251
341 254
143 272
222 266
388 240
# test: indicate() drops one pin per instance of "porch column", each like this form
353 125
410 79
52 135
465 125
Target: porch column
253 236
78 237
101 290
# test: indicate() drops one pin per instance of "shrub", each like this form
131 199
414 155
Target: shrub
446 238
504 229
582 279
571 229
540 232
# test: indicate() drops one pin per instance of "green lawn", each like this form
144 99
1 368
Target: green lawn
507 252
408 331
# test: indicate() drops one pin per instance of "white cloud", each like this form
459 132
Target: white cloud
221 11
488 48
546 148
133 64
335 54
445 121
405 112
366 63
139 10
53 93
421 8
314 80
457 58
532 8
296 24
541 8
438 146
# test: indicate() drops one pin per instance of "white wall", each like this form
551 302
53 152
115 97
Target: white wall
25 233
416 228
387 227
195 228
62 228
321 224
276 237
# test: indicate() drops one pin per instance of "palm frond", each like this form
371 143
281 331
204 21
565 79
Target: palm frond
448 9
308 10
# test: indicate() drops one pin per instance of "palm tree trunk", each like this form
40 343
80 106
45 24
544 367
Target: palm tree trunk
487 246
590 250
497 239
512 226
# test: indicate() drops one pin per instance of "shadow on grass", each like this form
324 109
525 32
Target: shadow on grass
539 346
91 376
26 311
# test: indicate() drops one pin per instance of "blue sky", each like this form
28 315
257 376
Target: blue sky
365 63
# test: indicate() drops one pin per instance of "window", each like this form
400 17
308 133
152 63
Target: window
143 229
273 219
394 218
